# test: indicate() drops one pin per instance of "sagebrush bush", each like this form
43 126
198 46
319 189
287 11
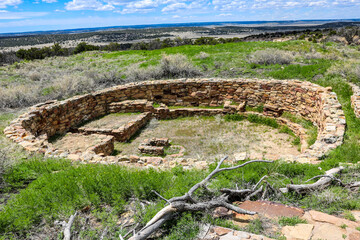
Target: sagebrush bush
349 70
171 66
177 66
203 55
271 56
29 83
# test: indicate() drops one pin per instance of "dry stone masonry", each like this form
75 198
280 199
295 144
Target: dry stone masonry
355 99
33 129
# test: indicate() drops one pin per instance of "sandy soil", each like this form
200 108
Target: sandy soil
208 139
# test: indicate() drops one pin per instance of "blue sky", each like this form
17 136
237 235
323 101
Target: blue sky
35 15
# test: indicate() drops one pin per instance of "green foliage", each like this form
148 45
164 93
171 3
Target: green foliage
296 141
263 120
296 71
286 129
83 47
41 53
187 227
349 216
30 169
255 226
259 108
56 194
234 117
290 221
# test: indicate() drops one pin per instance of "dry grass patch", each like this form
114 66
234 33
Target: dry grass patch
207 138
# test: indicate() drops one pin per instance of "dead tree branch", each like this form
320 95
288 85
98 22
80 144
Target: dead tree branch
187 202
324 181
67 230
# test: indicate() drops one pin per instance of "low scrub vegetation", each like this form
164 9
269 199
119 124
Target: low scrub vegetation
290 221
171 66
271 56
59 188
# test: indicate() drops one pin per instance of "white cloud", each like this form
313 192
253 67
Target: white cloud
5 15
224 15
6 3
174 7
49 1
231 5
76 5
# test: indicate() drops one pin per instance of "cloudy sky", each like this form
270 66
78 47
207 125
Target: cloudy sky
34 15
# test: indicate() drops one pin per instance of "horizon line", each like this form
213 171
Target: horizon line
184 23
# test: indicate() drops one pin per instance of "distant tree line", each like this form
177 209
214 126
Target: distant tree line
56 50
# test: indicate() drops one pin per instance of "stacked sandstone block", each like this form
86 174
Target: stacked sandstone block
121 134
355 99
315 103
154 146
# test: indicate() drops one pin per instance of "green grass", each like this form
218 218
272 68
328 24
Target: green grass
258 109
263 120
349 216
198 107
290 221
311 130
234 117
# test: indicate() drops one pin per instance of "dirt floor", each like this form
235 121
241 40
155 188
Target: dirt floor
76 142
210 138
112 121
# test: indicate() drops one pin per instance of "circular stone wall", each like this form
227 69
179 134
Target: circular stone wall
318 104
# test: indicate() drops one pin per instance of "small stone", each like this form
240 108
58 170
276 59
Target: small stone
74 157
156 161
134 158
221 212
244 217
240 156
220 231
123 158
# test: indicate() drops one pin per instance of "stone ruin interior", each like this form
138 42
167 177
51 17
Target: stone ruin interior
97 128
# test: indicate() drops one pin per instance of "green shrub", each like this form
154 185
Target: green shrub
187 227
263 120
290 221
349 216
259 109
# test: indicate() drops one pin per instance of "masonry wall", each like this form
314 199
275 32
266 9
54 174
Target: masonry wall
293 96
311 101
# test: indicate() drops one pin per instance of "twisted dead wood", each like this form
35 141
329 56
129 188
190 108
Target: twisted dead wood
67 230
188 203
324 181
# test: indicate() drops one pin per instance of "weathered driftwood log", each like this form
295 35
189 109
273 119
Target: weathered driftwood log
324 181
188 203
67 229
